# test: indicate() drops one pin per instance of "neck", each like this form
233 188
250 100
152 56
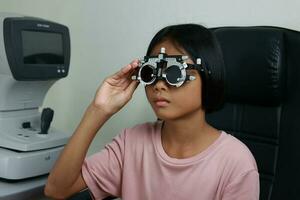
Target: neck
188 135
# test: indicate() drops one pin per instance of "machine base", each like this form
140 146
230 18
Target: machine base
16 165
28 189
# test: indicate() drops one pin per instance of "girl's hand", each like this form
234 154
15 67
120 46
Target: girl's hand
116 90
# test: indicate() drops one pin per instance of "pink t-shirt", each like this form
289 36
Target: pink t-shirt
136 167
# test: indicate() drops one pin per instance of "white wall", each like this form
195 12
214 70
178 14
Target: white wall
105 35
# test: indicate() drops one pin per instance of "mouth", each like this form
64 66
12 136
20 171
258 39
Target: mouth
161 102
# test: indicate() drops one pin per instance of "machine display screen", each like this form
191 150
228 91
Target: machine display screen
42 47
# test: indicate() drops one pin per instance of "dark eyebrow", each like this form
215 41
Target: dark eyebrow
192 71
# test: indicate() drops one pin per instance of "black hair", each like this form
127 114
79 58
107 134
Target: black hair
199 42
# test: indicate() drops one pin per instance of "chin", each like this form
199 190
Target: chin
167 116
171 116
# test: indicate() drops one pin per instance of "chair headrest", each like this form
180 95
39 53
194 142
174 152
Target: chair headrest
255 64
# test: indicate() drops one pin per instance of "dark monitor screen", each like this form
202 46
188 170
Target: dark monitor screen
36 49
42 47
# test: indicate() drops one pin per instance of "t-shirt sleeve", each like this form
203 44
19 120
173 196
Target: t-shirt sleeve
245 186
102 171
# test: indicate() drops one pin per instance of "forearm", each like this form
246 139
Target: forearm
116 90
68 166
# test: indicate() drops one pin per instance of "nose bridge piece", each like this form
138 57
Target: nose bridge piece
160 66
159 72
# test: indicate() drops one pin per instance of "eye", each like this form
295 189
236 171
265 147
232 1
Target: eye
147 73
173 73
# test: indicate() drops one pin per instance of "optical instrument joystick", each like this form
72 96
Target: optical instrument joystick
46 119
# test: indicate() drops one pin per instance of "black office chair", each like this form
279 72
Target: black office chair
262 106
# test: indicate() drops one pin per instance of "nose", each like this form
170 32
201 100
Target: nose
160 85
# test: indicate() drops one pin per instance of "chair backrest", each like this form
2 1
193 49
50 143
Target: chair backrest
262 103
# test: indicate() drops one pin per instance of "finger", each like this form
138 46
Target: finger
130 67
135 63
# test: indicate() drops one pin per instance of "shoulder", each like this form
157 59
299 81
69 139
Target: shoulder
144 127
131 139
237 155
236 160
139 132
241 174
136 140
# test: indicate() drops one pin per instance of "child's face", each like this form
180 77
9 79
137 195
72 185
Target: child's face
169 102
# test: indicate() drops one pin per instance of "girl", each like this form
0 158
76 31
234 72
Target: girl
179 156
